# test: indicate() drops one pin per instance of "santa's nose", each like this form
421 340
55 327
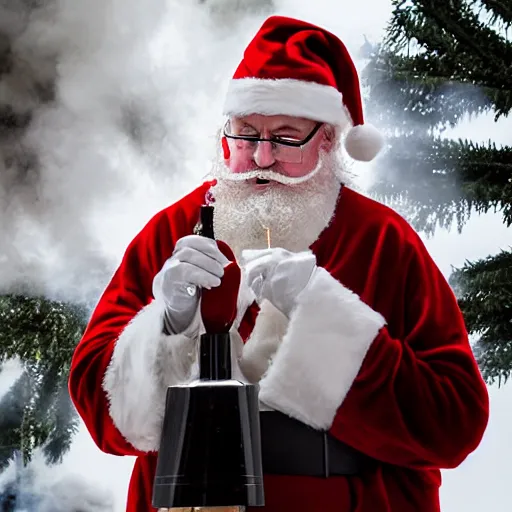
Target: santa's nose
264 155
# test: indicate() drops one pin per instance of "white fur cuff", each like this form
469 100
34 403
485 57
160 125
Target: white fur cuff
329 334
144 363
269 330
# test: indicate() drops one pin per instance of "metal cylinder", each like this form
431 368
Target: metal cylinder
210 452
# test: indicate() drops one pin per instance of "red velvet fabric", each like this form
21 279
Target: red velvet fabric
418 403
286 48
218 305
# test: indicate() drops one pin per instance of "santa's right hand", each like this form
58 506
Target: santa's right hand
195 263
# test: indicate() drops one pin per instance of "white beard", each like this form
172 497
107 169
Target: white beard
296 214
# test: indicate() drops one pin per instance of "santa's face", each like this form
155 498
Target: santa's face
291 145
294 202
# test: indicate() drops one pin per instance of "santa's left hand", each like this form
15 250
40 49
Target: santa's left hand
278 275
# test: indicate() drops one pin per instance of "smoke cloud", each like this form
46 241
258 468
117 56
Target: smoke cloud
37 488
107 109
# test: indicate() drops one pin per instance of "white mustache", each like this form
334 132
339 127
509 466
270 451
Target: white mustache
266 174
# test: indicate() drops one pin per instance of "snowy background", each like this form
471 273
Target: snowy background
114 107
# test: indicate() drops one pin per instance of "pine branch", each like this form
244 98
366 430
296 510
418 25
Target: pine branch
407 21
29 429
454 42
432 87
65 425
484 289
500 11
437 182
35 328
404 99
465 27
436 23
43 335
12 411
50 380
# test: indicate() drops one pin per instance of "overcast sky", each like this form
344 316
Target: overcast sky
161 64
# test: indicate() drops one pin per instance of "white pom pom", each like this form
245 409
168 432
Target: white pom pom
364 142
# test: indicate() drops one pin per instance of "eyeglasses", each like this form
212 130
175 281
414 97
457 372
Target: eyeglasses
284 149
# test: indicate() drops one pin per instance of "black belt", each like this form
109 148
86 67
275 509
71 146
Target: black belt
290 447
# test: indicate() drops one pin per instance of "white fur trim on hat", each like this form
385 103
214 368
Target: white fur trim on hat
364 142
286 97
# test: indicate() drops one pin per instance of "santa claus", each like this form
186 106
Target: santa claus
343 318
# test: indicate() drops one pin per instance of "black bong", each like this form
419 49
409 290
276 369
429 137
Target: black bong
210 449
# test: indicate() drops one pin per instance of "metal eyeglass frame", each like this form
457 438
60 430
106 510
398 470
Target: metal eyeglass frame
275 140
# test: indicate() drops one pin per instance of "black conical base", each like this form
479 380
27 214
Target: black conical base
210 453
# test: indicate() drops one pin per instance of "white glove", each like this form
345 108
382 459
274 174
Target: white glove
278 275
195 263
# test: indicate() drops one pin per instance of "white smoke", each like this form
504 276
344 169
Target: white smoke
37 488
111 98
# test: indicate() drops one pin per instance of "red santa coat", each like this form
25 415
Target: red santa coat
375 350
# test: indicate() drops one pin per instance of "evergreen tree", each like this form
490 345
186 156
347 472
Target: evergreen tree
443 60
37 411
485 291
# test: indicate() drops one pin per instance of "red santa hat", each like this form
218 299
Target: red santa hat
294 68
